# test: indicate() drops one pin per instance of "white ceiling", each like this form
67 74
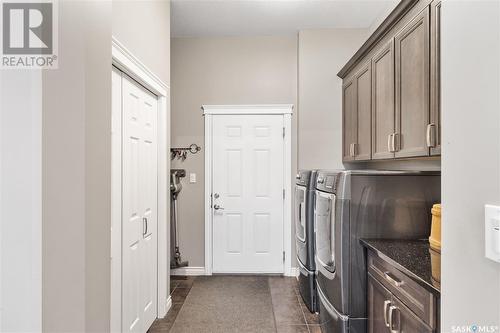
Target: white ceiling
200 18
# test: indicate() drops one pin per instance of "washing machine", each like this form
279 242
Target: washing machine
304 236
350 205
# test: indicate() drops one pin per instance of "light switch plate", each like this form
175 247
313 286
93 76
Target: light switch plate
492 232
192 178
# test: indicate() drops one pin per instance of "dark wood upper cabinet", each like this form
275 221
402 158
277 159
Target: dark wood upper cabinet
394 107
383 102
363 149
350 131
356 99
411 46
434 130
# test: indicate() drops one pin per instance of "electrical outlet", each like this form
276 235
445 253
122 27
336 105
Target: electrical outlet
192 178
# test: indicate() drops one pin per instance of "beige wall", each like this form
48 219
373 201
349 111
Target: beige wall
76 155
247 70
76 172
471 160
321 55
144 28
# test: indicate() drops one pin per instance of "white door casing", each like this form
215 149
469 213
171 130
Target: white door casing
139 207
248 169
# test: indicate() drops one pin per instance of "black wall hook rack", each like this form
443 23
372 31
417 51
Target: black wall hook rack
181 152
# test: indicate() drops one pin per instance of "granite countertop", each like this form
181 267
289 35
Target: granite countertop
412 257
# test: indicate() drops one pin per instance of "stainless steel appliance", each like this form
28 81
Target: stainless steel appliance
350 205
304 236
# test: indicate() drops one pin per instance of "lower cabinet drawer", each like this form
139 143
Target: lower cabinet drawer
412 295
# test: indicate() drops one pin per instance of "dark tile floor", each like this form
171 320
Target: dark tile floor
236 304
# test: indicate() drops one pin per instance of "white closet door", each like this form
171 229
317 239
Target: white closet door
139 186
248 171
116 202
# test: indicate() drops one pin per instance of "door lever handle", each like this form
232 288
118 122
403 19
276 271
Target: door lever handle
217 207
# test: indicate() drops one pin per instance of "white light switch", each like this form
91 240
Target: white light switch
492 232
192 178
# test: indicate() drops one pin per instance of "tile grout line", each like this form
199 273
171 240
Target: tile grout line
183 302
302 310
272 303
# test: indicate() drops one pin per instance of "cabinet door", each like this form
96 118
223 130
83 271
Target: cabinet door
379 301
434 132
401 319
363 147
412 87
382 101
350 121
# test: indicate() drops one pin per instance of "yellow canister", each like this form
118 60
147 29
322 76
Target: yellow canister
435 238
435 267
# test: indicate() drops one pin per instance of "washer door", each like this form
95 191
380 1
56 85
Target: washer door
324 229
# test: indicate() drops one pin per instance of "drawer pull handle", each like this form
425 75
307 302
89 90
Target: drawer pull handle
392 279
386 304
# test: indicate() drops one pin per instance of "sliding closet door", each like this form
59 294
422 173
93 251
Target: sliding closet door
139 210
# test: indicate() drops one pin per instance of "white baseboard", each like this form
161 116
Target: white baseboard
188 271
165 307
169 303
198 271
294 272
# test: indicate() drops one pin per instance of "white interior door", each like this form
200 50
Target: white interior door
116 202
248 185
139 206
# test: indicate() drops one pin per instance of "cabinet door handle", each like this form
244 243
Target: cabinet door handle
354 149
392 310
386 304
144 226
391 278
389 143
431 135
395 142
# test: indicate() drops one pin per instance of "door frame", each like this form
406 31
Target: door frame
126 62
286 110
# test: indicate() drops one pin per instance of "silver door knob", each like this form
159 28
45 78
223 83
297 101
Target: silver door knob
217 207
